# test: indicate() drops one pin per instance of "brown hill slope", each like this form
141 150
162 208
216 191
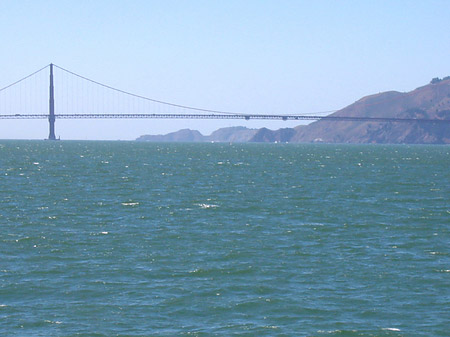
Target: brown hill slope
428 102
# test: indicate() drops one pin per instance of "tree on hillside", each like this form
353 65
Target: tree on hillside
435 80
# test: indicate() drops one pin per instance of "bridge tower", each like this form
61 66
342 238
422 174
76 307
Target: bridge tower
51 115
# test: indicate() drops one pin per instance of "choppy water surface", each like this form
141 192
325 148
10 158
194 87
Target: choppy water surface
141 239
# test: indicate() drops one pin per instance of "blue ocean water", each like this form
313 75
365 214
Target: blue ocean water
144 239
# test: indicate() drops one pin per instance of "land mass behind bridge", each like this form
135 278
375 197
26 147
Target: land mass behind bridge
431 101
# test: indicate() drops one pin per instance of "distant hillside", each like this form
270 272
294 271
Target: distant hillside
185 135
431 101
230 134
266 135
428 102
238 134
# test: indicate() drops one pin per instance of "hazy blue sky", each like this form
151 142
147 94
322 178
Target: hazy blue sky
247 56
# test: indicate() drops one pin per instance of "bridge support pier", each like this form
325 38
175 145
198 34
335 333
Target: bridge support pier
51 114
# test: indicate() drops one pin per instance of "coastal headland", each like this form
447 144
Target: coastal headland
429 102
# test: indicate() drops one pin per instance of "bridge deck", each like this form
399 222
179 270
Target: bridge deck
221 116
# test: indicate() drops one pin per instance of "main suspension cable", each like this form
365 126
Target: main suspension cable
147 98
8 86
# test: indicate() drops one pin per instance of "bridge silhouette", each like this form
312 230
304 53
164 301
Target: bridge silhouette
79 97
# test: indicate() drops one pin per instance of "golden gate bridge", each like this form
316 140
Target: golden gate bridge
79 97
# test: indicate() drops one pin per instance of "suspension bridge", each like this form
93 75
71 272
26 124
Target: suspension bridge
79 97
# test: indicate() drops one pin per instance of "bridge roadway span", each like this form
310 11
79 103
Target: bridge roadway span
221 116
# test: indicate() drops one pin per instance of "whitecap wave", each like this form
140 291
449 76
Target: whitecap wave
207 206
130 203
